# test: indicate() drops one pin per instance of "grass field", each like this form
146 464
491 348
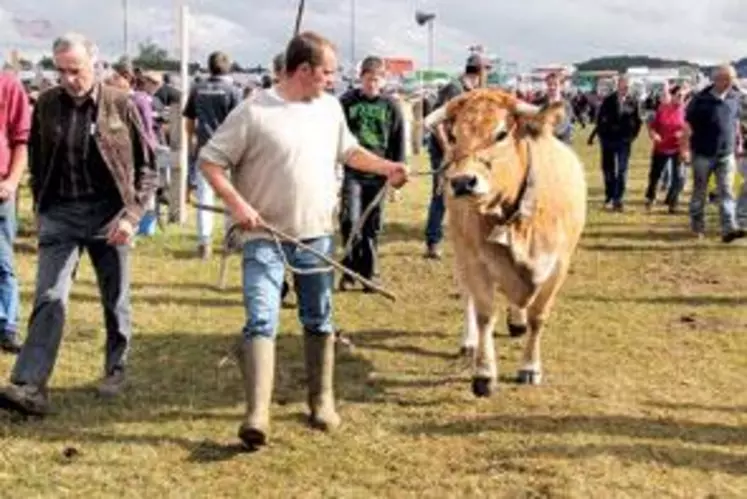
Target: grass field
644 394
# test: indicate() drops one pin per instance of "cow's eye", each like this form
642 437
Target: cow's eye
501 135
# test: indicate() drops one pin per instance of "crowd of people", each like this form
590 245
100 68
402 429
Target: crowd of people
291 156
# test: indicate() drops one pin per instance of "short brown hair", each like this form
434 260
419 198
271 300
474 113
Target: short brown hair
219 64
125 70
278 64
307 47
371 64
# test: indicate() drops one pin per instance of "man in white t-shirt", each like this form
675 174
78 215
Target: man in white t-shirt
282 147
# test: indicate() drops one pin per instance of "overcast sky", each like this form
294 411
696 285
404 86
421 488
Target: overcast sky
528 31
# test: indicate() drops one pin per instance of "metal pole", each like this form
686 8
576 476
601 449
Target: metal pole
430 45
352 36
125 30
183 143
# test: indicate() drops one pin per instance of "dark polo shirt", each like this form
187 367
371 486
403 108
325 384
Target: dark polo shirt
713 120
209 103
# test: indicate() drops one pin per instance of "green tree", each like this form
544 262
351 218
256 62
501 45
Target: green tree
25 64
152 56
46 63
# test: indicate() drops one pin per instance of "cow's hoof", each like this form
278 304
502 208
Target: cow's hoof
529 377
516 330
468 352
482 387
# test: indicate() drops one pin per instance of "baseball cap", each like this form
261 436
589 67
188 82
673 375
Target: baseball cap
478 61
153 76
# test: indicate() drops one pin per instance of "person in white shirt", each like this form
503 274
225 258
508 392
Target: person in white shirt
282 147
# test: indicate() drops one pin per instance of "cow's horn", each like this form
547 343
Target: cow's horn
526 109
436 117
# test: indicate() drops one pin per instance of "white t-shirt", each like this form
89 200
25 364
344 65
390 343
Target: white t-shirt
283 157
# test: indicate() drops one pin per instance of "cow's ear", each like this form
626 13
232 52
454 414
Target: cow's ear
552 114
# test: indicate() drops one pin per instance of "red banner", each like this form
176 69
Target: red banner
398 66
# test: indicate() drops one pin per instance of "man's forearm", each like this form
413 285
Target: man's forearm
440 133
367 162
18 162
218 180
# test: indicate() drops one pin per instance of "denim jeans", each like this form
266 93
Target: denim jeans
742 202
661 163
434 226
9 295
64 230
357 195
615 159
725 168
263 272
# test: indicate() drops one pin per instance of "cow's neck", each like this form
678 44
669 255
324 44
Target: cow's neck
510 182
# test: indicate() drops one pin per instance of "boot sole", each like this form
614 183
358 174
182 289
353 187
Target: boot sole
252 438
23 408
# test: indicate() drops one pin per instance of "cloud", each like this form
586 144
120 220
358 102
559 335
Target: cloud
530 31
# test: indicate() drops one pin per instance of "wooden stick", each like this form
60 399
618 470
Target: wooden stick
285 237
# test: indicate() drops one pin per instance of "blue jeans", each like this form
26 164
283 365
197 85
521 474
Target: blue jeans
9 297
661 163
434 226
263 273
742 203
615 160
725 168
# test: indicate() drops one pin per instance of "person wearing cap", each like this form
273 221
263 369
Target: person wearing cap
439 145
554 93
124 77
209 103
150 83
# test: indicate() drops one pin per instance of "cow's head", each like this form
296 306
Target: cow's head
487 161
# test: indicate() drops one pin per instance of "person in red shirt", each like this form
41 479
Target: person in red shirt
665 129
15 122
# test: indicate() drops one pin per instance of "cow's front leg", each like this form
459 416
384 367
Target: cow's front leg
470 333
485 373
516 321
485 369
530 372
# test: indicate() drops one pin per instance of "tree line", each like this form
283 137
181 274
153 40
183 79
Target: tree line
149 56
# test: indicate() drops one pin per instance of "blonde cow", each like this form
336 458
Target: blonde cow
516 202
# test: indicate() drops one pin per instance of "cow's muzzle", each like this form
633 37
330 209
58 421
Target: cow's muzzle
464 185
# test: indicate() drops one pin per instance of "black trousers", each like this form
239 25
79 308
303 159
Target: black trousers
357 194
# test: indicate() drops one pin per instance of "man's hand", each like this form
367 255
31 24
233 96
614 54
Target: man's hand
120 233
245 216
398 175
7 189
686 157
655 137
